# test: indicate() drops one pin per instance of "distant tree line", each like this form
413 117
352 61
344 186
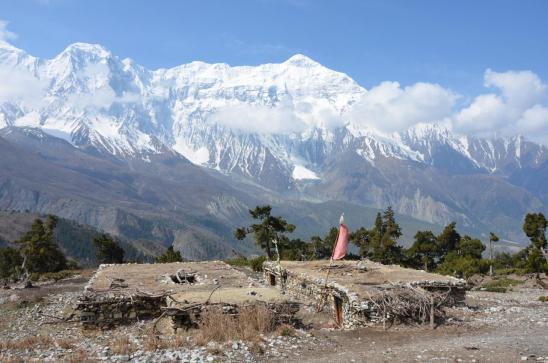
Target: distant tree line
38 251
448 253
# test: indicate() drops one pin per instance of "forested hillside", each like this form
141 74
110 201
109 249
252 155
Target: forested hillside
74 239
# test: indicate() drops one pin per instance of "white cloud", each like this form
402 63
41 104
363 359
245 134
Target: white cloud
18 85
5 34
97 92
534 124
519 107
285 117
517 104
486 113
280 119
521 89
102 97
388 107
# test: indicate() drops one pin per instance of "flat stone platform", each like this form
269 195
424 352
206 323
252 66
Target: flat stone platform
121 293
358 275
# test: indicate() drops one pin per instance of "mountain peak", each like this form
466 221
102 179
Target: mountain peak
87 48
8 46
301 60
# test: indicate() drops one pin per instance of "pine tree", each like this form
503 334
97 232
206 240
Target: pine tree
170 255
107 249
40 250
470 247
270 228
534 227
379 226
10 264
424 250
465 260
362 238
293 249
321 248
448 240
386 232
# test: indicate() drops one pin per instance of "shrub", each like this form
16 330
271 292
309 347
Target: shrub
505 282
462 266
170 255
34 276
56 276
543 298
239 261
494 289
536 262
256 263
73 265
500 285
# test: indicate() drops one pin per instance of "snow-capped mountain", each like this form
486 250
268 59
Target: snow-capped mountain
289 127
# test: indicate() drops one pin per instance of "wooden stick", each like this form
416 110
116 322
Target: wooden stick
432 312
324 295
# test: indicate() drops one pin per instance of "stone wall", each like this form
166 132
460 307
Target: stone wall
111 310
303 288
346 307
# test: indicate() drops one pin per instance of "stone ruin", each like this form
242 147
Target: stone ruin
363 293
356 293
126 293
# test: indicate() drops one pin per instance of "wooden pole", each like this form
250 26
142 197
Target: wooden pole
490 257
432 312
324 296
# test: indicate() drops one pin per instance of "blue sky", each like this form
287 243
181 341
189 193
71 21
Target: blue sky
450 43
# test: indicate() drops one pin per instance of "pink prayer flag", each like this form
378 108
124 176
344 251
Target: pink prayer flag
341 247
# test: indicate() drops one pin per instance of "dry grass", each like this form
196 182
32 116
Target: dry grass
153 342
5 359
37 341
122 345
256 348
247 325
285 330
179 341
65 343
91 332
79 356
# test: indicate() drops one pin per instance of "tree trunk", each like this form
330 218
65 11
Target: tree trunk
490 258
544 253
268 251
26 279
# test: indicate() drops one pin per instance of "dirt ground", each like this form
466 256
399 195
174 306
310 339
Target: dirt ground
493 327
